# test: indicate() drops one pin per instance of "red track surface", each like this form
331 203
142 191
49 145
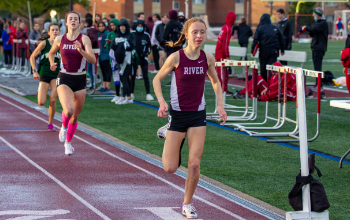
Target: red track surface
99 181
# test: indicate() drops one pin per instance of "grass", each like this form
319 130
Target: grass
263 170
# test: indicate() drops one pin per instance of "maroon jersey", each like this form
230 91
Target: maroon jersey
71 60
187 83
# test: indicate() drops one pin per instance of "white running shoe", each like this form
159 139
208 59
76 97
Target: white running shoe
122 102
115 98
68 148
130 101
63 134
149 97
161 133
188 211
132 96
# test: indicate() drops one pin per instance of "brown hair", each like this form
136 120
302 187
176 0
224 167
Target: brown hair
243 20
166 15
184 31
72 12
46 35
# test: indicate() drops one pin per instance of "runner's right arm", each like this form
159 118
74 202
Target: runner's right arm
170 64
34 55
54 48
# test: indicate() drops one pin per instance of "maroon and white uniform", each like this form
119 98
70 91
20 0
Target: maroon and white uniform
71 59
187 83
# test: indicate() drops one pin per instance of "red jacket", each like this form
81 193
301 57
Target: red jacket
22 35
345 57
12 34
291 82
221 50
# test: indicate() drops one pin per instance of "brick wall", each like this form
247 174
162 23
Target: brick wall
217 11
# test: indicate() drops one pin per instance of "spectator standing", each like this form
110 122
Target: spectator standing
339 28
114 24
5 36
104 57
34 35
92 33
140 16
244 32
155 43
159 37
97 20
2 24
19 20
172 32
110 17
286 30
123 45
319 34
105 20
270 41
150 24
182 18
222 51
143 48
21 34
63 27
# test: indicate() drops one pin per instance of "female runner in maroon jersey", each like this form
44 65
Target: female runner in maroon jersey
75 50
187 115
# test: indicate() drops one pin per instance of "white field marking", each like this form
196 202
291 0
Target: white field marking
140 168
30 217
103 216
30 212
166 213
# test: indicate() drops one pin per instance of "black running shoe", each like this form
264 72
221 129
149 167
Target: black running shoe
237 95
182 144
323 95
310 95
229 93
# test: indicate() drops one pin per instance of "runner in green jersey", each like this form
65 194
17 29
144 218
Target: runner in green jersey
44 74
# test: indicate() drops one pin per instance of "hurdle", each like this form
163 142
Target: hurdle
248 112
282 114
319 76
306 213
345 104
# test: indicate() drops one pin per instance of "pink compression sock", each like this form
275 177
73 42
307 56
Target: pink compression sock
65 119
71 130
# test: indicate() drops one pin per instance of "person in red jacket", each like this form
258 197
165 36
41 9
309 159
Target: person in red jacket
271 92
222 52
21 34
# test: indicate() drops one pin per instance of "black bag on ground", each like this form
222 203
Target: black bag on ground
328 78
319 201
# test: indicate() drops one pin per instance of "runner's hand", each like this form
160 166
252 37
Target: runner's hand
222 113
36 76
77 45
162 109
264 92
53 67
344 70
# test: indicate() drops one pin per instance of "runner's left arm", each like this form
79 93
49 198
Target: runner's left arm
88 53
216 86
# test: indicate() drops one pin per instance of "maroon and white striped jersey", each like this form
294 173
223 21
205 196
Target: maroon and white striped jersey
187 83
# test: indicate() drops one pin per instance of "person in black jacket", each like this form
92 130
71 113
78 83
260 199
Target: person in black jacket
286 30
243 32
143 48
172 32
270 41
319 34
140 17
127 39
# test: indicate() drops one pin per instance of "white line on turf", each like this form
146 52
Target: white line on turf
103 216
137 167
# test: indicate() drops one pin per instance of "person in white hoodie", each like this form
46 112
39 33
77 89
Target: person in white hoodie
155 44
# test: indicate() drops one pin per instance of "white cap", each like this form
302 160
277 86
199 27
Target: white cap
181 14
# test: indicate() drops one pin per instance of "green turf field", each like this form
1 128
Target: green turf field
264 170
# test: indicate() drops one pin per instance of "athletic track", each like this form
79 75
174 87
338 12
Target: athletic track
99 181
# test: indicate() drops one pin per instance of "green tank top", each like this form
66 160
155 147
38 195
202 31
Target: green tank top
44 69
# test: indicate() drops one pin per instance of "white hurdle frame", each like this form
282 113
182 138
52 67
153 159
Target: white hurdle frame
252 111
306 214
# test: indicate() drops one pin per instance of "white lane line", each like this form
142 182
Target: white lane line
137 167
103 216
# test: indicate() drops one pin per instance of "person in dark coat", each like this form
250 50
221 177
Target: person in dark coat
286 30
319 34
270 41
243 32
140 16
172 32
143 49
